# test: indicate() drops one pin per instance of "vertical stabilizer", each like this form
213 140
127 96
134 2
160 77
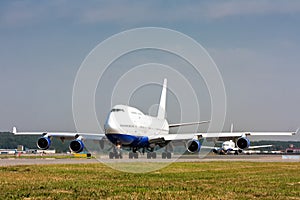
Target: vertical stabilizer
14 131
162 104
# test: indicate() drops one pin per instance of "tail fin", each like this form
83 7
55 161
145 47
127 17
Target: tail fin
162 104
14 131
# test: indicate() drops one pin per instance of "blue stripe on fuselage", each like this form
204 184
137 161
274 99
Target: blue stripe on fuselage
128 140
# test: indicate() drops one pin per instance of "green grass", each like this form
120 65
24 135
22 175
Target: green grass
203 180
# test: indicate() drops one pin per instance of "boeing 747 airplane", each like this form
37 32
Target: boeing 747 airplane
128 128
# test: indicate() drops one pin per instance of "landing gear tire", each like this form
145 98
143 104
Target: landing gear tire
148 155
169 155
134 155
113 155
130 155
153 155
166 155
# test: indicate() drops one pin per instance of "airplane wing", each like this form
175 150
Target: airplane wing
261 146
64 135
189 136
253 147
210 147
187 124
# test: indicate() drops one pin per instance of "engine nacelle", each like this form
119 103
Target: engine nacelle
193 146
76 146
43 143
243 143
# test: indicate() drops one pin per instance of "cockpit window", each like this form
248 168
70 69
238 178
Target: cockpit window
117 110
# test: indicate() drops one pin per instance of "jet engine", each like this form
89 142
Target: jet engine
43 143
76 146
193 146
243 143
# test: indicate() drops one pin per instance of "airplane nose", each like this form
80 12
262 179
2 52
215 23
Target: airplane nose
110 129
111 125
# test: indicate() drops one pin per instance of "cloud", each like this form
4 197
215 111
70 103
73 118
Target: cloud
115 12
153 11
15 14
24 13
240 8
21 13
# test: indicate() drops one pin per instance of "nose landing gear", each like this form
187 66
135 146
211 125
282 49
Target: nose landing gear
116 153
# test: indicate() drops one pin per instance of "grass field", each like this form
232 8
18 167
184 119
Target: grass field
203 180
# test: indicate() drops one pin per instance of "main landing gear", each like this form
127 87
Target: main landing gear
134 155
113 155
166 155
151 155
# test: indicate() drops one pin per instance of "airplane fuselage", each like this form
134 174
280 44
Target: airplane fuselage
129 127
228 146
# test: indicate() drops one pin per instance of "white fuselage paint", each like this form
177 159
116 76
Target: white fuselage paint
228 145
129 121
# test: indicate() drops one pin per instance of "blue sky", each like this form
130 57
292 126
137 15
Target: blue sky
255 44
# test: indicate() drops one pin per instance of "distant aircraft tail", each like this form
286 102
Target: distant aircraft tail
14 130
231 128
161 114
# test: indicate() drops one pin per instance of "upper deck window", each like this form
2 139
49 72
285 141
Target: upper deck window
117 110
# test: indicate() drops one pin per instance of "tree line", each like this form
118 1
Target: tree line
10 141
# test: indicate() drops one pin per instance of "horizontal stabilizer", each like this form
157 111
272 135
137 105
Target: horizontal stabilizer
187 124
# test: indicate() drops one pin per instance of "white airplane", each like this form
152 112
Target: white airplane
233 147
128 128
230 147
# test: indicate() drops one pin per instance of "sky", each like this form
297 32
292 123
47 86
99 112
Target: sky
255 45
